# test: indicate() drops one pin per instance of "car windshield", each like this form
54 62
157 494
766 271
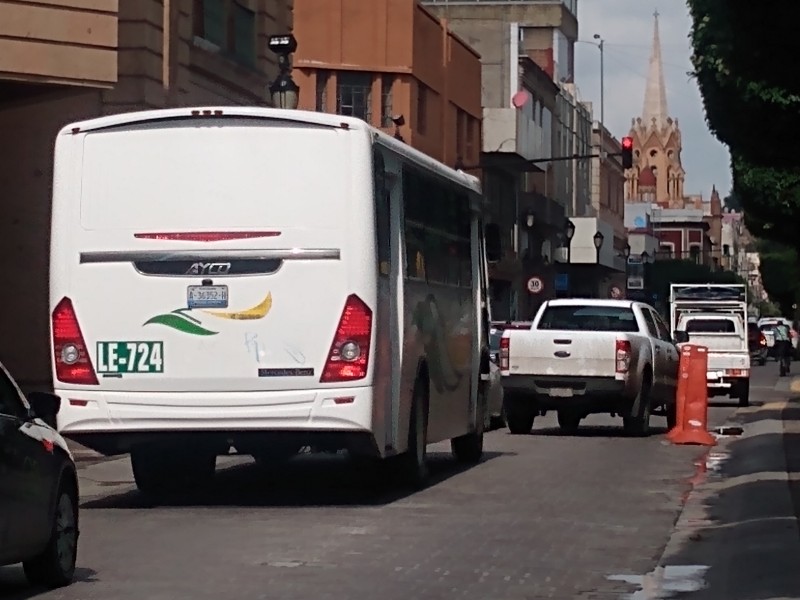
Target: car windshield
589 318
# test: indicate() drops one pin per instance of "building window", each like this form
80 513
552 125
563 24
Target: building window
666 251
472 127
422 108
387 81
462 124
354 95
322 91
229 25
694 253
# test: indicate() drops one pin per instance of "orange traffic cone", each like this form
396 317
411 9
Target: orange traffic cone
692 399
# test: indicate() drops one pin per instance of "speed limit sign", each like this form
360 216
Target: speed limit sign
535 285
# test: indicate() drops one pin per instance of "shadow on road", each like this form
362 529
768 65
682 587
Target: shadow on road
593 431
14 586
751 539
313 480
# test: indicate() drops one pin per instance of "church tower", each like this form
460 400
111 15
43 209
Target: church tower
657 175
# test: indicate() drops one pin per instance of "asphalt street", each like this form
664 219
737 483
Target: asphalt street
545 515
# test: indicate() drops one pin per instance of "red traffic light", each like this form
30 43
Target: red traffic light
627 142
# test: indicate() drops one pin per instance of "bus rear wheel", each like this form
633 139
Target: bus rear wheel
468 448
413 463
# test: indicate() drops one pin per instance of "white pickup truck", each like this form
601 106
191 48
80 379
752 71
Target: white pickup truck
715 316
581 357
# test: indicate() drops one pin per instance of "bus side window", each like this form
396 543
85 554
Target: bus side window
382 214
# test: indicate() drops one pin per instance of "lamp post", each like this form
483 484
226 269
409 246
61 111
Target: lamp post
646 260
626 252
598 243
601 45
569 233
284 91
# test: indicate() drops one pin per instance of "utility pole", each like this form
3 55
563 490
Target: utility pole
601 45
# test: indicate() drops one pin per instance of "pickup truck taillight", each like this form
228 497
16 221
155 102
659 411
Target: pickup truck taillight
623 356
504 353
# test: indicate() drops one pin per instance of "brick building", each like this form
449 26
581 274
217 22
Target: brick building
385 59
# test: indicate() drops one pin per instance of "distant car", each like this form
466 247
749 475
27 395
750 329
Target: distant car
38 488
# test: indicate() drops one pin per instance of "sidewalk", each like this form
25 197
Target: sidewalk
738 536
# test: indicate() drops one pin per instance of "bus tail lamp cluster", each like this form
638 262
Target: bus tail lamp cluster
505 353
623 356
348 358
73 364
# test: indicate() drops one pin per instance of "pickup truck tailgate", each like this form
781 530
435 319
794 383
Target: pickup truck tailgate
560 353
725 361
719 342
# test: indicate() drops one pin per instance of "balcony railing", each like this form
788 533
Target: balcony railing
707 259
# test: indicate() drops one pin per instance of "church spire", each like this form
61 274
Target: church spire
655 97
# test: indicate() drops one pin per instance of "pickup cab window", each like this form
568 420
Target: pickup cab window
710 326
650 320
589 318
663 330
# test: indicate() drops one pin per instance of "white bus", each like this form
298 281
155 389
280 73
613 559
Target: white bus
257 281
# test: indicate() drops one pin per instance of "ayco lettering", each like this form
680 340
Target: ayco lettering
201 268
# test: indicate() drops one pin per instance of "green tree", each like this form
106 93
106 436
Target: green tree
752 103
778 274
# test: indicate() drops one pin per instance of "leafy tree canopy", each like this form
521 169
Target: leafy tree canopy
770 199
752 98
779 275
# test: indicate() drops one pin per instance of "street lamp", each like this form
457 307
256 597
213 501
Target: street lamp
598 243
530 219
284 91
646 257
626 251
569 233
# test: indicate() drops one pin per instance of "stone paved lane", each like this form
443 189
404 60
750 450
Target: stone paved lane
544 516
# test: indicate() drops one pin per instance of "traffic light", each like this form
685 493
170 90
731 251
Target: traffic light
627 152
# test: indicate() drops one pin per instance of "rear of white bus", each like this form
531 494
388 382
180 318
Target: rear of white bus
208 278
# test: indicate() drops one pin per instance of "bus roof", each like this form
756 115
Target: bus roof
298 116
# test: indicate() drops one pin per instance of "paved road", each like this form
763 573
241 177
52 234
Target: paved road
544 516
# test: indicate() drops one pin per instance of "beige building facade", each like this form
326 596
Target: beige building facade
80 59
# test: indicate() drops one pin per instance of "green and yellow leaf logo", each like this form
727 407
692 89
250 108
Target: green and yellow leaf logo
181 320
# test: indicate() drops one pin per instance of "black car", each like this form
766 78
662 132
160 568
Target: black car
38 488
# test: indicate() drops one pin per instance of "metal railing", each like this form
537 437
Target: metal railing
701 258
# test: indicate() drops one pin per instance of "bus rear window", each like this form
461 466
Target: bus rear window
589 318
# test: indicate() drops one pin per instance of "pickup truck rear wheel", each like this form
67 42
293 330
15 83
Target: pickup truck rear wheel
569 421
520 415
744 393
639 425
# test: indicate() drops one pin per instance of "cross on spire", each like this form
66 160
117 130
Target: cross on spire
656 14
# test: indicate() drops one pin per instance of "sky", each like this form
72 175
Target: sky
627 28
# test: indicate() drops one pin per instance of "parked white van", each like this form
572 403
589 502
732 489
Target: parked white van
258 280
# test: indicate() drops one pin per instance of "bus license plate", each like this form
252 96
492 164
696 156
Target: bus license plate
207 296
